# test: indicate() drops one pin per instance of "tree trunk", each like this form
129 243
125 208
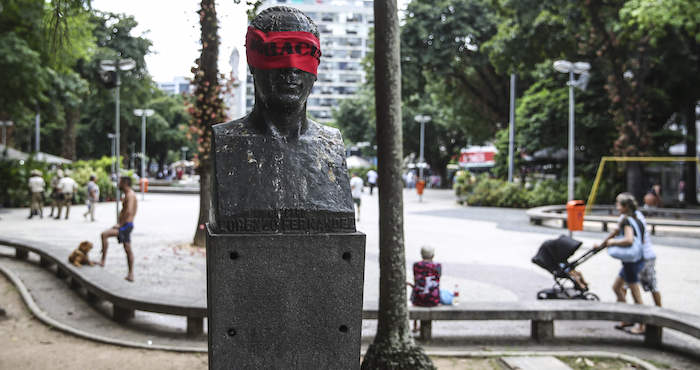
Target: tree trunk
72 116
393 346
208 109
204 204
691 168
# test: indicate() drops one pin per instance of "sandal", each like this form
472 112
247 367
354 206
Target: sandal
623 326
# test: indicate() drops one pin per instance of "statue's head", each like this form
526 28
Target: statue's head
283 52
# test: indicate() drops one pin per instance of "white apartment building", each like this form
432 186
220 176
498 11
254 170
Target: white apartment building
178 85
343 26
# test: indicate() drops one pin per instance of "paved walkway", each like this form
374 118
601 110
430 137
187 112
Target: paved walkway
485 251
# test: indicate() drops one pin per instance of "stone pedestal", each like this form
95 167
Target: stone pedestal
285 301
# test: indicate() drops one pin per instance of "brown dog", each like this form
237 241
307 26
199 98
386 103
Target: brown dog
79 256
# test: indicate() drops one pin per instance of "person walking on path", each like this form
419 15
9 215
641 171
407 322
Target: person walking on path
356 185
629 229
36 186
55 192
93 196
372 180
122 230
66 187
647 276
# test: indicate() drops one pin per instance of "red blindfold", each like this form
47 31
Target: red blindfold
288 49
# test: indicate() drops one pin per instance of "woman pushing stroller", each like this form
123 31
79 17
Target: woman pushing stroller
626 244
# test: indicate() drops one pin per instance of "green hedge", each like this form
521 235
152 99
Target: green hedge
485 191
14 175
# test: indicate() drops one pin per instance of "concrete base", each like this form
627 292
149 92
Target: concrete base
195 326
426 330
74 283
121 314
60 272
285 300
21 254
542 330
653 336
45 262
91 297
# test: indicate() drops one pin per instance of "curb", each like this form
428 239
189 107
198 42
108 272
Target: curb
43 317
52 323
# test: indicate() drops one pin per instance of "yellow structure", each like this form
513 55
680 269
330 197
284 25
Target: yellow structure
594 189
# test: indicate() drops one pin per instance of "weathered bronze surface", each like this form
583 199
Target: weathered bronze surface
275 169
285 264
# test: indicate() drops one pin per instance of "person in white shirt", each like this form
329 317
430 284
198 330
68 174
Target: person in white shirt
356 185
93 196
66 186
372 180
36 186
648 275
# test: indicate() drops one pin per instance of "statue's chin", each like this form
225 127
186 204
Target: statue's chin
286 104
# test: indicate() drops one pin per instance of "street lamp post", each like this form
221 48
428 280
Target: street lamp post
112 139
5 125
184 152
511 130
423 119
143 113
116 66
582 68
37 132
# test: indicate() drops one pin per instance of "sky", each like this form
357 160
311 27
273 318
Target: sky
173 27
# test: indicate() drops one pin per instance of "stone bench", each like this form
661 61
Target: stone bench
125 299
542 315
558 212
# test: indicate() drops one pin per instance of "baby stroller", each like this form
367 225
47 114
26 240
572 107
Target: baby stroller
568 283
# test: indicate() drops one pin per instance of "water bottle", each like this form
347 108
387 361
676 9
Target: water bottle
455 300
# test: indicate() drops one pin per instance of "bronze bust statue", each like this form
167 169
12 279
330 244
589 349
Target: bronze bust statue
275 169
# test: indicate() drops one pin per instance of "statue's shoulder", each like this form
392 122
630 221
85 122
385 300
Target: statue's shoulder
239 127
325 132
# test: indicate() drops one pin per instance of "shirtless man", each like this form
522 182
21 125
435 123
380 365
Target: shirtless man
122 230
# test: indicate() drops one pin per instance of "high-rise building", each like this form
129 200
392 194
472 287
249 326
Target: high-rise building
343 26
178 85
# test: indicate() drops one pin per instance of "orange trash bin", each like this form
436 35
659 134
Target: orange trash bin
575 210
144 185
420 185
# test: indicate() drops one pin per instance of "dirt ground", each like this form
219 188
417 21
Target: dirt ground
28 344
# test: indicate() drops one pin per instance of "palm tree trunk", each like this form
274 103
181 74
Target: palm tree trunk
207 86
72 116
393 346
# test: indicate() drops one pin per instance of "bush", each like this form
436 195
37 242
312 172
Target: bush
14 176
490 192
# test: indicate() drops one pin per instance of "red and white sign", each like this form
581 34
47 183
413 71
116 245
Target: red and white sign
478 156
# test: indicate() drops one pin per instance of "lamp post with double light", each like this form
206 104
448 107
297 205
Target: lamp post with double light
117 65
579 68
143 113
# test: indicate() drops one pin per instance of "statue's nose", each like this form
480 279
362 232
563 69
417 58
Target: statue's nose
290 75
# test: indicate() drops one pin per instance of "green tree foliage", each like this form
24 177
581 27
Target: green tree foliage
456 55
49 63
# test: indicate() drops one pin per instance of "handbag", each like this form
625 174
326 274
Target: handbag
632 253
